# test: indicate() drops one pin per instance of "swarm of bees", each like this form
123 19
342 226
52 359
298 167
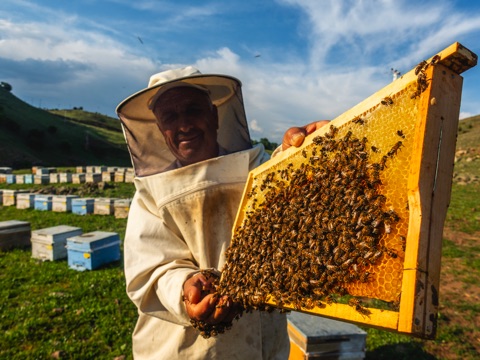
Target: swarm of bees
422 81
316 231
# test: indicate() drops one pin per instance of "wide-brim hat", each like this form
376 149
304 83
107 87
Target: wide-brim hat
148 150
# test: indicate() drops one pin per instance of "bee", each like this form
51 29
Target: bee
401 134
421 67
393 151
304 153
435 59
391 253
375 149
358 120
387 101
364 277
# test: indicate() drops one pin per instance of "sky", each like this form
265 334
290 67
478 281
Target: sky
298 60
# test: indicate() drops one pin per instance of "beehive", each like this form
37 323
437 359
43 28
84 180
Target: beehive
103 206
14 234
82 206
10 196
121 207
383 170
119 176
92 250
78 178
65 177
107 176
26 201
54 178
43 202
41 179
63 203
50 243
20 179
93 177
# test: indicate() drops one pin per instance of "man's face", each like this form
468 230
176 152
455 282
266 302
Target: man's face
189 123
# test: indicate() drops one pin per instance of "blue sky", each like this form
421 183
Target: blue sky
298 60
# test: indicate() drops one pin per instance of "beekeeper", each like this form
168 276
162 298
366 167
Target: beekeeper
191 152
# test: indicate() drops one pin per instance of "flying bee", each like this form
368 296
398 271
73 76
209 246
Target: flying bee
421 67
401 134
387 101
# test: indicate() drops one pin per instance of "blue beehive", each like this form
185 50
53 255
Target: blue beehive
11 179
43 202
83 206
92 250
28 179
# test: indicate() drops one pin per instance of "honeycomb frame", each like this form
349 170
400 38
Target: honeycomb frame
428 102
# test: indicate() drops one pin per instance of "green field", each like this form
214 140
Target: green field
49 310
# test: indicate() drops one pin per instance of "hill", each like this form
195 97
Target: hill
32 136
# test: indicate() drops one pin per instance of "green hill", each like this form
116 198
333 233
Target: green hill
32 136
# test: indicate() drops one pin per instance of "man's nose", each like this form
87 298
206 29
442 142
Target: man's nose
184 121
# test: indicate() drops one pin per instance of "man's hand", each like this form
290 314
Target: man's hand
203 305
296 135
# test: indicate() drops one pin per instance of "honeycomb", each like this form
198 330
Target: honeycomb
395 121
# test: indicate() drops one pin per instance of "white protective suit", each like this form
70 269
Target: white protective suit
180 221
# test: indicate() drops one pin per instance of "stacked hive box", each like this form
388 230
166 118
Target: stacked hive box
50 243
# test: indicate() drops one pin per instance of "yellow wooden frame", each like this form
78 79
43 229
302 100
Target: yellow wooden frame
429 187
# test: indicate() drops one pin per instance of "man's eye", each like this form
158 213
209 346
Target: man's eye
168 119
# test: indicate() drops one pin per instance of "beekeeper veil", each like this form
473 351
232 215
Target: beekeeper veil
146 144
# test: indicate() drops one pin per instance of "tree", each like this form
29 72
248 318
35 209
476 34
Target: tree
5 86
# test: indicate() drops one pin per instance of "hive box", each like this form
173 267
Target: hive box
50 243
314 337
92 250
78 178
20 179
43 202
63 203
121 208
11 179
54 178
103 206
25 201
28 179
80 169
10 196
119 176
107 176
93 177
5 170
82 206
14 233
65 178
41 179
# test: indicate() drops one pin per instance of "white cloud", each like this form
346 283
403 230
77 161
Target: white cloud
254 127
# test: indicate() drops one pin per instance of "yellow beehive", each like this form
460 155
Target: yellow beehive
407 132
